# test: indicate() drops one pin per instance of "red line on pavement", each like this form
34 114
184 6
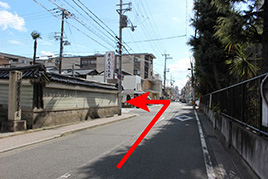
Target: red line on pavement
165 103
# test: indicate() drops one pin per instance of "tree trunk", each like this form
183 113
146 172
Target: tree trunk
35 46
216 76
265 38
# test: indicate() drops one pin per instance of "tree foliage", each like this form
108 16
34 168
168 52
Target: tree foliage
224 42
209 54
240 65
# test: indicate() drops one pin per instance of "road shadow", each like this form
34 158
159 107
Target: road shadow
172 151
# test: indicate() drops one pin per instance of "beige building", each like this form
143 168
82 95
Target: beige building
135 64
9 60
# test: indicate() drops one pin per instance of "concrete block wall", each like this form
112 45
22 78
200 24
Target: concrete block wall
252 147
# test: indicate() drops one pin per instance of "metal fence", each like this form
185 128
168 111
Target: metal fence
241 102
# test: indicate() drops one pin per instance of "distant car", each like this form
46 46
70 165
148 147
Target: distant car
197 102
183 101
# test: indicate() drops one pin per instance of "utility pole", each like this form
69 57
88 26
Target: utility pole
193 84
64 14
165 71
120 59
122 24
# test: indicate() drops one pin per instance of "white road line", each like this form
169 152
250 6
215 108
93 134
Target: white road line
66 175
209 167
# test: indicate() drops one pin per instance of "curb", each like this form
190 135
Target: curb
101 124
31 143
62 134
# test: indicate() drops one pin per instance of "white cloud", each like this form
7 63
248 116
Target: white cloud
179 71
4 5
11 20
15 42
45 54
181 65
175 18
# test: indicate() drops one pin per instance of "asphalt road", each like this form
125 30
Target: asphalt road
172 149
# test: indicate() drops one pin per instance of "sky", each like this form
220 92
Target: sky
162 27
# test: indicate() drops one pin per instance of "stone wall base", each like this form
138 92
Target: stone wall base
12 126
42 118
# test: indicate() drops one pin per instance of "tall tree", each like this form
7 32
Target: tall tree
35 35
209 54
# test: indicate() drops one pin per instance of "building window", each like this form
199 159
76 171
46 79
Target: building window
84 62
92 61
136 59
14 60
137 72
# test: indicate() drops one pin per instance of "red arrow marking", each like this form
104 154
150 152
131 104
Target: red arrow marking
141 102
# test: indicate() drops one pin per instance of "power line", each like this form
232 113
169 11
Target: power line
98 18
94 19
150 40
151 26
147 30
83 24
154 24
99 30
71 25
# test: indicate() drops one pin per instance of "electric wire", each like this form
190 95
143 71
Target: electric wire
83 24
150 40
93 18
71 25
109 37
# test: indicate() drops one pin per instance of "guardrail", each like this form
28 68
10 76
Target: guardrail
241 102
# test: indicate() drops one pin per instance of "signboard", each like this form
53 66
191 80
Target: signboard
109 65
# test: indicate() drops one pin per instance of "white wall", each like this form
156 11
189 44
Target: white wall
132 82
67 98
98 78
26 94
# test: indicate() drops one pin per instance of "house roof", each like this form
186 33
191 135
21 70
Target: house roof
84 72
39 71
116 71
6 55
102 55
33 71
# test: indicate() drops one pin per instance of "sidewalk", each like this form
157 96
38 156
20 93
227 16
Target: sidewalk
13 140
226 162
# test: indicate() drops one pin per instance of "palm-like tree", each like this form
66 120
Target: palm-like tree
240 65
35 35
